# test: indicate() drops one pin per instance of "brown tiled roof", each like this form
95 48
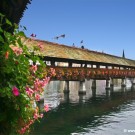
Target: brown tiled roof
55 50
13 9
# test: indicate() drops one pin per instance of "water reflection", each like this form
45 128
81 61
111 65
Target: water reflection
107 113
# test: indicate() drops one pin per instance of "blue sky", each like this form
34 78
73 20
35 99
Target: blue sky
103 25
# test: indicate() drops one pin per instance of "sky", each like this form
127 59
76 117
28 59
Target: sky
104 25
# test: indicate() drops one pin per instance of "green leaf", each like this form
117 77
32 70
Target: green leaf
21 33
15 26
2 15
19 42
8 22
1 30
1 39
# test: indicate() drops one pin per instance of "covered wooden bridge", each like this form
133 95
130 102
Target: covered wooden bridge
70 55
77 64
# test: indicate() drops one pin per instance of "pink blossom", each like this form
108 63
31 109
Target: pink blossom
46 81
37 97
46 108
31 122
29 91
34 68
17 50
39 84
22 131
15 91
6 55
35 116
41 115
27 126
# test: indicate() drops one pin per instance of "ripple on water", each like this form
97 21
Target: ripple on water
101 115
114 123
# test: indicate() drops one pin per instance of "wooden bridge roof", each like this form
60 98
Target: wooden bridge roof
13 9
59 51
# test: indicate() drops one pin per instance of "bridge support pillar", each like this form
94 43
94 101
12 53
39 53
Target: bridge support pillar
82 89
66 97
112 84
123 82
82 97
108 93
93 92
107 84
93 84
93 87
133 84
66 87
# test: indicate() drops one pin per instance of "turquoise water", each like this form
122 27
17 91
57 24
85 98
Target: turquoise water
108 113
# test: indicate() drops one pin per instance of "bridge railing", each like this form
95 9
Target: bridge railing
81 73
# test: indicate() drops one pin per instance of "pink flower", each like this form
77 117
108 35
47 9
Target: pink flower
46 108
34 68
17 50
29 91
31 122
15 91
22 131
6 55
39 84
37 97
41 115
35 116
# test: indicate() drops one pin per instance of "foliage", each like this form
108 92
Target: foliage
21 84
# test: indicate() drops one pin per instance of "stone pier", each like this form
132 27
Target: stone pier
133 84
82 89
107 85
111 85
93 87
93 84
111 82
123 82
66 87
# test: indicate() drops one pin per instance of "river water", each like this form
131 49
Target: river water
107 113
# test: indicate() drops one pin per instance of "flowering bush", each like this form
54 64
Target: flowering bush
20 84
